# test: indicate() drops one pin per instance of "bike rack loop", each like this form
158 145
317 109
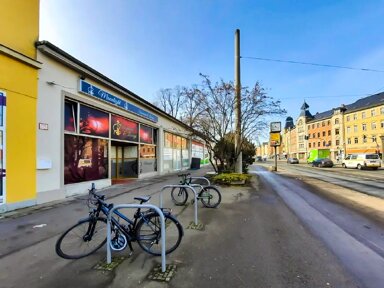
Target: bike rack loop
162 223
202 178
180 186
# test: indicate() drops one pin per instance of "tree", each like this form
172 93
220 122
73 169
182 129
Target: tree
210 113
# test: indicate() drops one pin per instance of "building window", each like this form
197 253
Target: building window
314 144
70 116
323 124
318 144
349 141
355 128
348 118
364 139
146 134
314 135
85 159
313 126
382 110
323 133
337 131
309 145
348 129
382 124
301 146
364 127
123 129
309 127
356 140
318 125
329 132
363 115
324 143
337 142
355 116
329 143
329 122
374 139
318 135
373 112
337 121
93 122
373 125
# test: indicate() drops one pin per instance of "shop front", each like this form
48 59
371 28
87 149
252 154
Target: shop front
97 131
175 152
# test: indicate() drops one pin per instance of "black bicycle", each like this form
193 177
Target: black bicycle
210 196
90 234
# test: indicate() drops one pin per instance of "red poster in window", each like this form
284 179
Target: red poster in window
146 134
94 122
123 129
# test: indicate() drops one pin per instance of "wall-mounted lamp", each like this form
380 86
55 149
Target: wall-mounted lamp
51 83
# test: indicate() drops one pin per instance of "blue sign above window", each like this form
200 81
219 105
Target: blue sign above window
98 93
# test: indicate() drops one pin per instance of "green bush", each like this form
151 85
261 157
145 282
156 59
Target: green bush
227 178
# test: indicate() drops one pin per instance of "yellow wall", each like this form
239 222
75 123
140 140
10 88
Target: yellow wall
19 31
20 25
20 84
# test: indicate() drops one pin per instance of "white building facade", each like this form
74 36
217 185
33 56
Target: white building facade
91 129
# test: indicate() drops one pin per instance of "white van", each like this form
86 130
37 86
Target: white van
361 161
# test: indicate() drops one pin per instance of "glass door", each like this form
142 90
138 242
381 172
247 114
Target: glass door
2 146
124 160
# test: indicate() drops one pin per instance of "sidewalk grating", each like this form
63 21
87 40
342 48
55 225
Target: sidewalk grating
199 226
158 275
102 265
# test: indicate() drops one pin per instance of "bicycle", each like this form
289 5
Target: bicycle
90 234
210 196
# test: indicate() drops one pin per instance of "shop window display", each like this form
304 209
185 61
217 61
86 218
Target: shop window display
85 159
93 122
146 134
123 129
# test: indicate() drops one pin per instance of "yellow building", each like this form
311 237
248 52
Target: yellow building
348 129
18 99
364 125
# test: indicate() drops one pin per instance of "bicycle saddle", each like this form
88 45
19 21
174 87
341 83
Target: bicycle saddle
142 199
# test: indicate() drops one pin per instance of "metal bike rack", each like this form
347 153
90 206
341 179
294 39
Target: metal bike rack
162 223
202 178
180 186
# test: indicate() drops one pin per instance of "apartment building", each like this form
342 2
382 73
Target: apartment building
352 128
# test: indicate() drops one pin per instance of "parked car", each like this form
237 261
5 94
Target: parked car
362 161
259 159
293 160
322 162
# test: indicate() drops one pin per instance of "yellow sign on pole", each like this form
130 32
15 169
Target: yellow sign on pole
274 139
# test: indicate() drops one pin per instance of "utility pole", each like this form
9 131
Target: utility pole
239 161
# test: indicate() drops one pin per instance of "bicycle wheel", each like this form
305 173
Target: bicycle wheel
148 233
210 197
179 196
82 239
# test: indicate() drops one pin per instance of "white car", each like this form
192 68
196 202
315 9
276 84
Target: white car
361 161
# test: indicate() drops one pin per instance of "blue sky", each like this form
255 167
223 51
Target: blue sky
146 45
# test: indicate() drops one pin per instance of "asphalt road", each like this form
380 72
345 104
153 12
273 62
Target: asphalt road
254 239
